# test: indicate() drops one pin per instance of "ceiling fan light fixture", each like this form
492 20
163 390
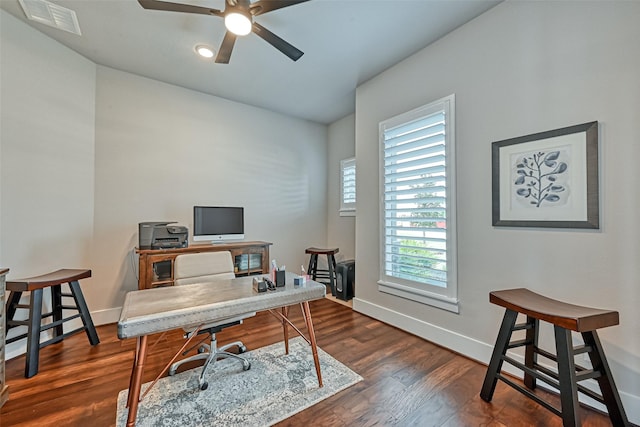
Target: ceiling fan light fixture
205 51
238 23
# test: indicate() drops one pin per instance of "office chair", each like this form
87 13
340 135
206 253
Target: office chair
200 268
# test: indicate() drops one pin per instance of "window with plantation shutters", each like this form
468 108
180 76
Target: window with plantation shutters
418 253
348 187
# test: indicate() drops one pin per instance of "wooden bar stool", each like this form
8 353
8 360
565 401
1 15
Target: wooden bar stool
329 273
36 285
565 318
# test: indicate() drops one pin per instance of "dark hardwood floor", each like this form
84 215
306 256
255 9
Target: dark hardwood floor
407 380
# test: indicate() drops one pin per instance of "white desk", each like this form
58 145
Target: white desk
150 311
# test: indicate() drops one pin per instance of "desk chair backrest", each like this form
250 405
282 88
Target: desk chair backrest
202 267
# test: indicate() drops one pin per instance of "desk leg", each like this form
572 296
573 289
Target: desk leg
285 329
312 337
136 380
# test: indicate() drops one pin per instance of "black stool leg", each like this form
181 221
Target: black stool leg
84 312
331 265
33 333
530 356
12 305
567 377
56 309
605 380
499 350
313 266
310 268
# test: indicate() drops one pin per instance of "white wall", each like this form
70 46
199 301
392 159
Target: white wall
161 149
88 152
47 142
47 153
521 68
340 229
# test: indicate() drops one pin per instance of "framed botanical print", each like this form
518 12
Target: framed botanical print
547 179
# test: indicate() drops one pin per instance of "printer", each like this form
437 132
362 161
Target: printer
161 235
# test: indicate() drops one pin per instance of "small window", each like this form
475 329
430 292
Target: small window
348 187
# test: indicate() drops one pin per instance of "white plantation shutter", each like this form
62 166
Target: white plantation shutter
418 213
348 185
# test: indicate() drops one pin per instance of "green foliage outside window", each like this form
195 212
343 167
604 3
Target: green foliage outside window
415 259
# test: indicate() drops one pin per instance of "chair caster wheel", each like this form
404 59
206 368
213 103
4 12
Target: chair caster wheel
204 386
201 350
246 366
171 372
242 349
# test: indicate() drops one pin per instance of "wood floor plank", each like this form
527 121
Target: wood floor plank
407 381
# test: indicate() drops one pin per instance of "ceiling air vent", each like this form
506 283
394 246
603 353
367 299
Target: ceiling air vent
50 14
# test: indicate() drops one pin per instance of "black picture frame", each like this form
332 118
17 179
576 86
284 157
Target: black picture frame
547 179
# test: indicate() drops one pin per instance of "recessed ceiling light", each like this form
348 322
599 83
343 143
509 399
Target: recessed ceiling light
205 51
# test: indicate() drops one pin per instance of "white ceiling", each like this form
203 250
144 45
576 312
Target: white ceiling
346 42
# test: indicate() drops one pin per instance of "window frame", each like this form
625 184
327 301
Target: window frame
346 209
444 298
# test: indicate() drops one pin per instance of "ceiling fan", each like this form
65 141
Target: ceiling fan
238 16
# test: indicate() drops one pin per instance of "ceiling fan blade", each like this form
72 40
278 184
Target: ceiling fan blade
224 54
178 7
263 6
275 41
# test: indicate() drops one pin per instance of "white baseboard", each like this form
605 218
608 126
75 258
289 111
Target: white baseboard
104 317
99 317
459 343
477 350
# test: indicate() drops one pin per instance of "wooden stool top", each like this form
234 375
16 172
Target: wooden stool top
320 251
64 275
574 317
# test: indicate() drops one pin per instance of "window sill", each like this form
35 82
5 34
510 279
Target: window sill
421 296
351 212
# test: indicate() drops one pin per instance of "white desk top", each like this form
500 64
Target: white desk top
150 311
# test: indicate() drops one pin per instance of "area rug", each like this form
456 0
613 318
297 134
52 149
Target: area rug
276 387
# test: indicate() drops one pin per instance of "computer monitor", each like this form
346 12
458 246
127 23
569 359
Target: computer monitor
218 223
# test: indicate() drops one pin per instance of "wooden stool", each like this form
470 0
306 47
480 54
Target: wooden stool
330 273
35 286
565 318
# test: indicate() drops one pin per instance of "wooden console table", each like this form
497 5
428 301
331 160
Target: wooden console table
251 257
